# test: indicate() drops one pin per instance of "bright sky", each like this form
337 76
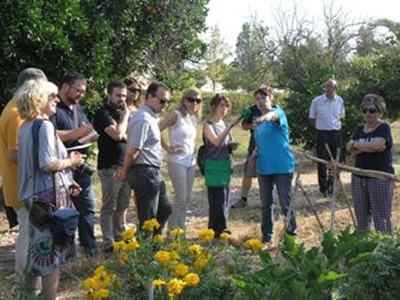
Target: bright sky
230 15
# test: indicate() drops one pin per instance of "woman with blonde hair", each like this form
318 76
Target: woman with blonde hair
181 160
43 169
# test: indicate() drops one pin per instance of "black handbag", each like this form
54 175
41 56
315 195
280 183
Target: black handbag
63 225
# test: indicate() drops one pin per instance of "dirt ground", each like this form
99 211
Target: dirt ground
244 222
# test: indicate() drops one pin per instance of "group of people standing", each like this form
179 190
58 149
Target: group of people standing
130 143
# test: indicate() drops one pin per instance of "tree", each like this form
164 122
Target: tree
253 56
217 53
102 39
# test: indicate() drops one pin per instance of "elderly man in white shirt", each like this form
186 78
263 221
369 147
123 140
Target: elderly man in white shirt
326 112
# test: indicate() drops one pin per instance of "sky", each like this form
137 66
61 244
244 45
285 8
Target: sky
229 15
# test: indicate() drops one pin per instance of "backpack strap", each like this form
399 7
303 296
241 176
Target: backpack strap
37 124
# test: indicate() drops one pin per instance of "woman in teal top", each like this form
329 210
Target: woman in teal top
275 163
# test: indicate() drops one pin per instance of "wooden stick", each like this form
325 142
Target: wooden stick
347 202
335 174
358 171
312 207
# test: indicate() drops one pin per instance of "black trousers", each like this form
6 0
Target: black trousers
334 140
151 195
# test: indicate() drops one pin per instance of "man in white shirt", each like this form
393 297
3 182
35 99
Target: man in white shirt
326 112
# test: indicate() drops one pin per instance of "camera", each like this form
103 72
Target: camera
86 169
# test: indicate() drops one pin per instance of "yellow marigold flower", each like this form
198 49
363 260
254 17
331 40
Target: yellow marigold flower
162 257
177 232
158 282
99 270
224 236
180 270
174 245
103 277
159 239
206 235
192 279
200 263
254 245
175 286
175 255
101 294
123 258
118 246
133 245
105 280
150 225
128 234
195 249
202 260
90 284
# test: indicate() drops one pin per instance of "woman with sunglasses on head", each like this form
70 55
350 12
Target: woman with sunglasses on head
372 145
182 125
133 96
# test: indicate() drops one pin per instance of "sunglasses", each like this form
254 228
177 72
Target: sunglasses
134 90
162 101
370 110
193 100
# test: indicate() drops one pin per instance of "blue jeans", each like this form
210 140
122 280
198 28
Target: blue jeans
283 184
150 195
219 205
85 204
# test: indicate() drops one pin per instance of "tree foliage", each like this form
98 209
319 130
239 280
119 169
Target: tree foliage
253 58
215 56
102 39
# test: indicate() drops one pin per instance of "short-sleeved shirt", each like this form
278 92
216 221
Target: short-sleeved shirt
223 151
327 112
273 146
47 154
254 113
144 134
63 119
380 161
111 152
10 122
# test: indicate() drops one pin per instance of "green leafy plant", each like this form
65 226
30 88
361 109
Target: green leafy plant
353 265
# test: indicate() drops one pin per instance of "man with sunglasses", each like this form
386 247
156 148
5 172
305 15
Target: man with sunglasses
143 159
326 112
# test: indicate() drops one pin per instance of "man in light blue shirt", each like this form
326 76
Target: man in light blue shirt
143 159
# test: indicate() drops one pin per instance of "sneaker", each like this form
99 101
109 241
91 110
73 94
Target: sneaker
240 203
268 246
